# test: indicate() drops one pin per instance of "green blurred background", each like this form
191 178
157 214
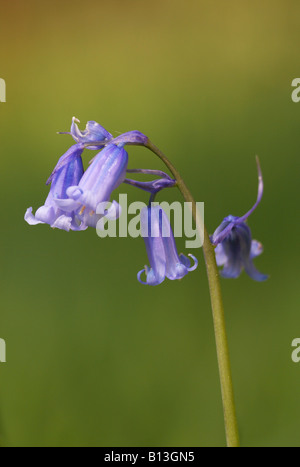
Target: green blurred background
93 357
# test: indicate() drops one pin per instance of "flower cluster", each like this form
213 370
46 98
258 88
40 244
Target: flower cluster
75 195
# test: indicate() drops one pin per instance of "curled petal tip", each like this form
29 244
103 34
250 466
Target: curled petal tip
139 276
30 218
192 268
254 273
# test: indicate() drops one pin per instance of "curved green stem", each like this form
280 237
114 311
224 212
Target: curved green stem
231 427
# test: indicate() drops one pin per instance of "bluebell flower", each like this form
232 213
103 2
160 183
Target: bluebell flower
161 248
235 248
93 132
68 172
105 174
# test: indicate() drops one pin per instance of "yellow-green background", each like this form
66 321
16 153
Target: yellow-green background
93 357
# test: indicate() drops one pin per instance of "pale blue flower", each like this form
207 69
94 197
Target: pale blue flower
161 249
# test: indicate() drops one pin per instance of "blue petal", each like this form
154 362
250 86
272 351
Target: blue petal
92 133
87 198
176 266
104 175
46 214
177 271
223 230
30 218
152 277
187 262
90 219
161 248
72 156
236 247
150 228
62 222
67 205
256 249
253 272
195 265
221 257
232 270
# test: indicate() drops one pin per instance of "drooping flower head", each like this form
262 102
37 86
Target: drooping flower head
161 248
68 172
235 248
74 195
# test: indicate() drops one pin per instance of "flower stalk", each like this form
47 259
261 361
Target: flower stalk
230 420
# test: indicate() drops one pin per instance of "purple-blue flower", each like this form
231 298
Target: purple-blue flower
161 249
235 248
93 132
68 172
105 174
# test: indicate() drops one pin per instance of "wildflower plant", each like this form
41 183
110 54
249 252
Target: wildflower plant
75 202
235 248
